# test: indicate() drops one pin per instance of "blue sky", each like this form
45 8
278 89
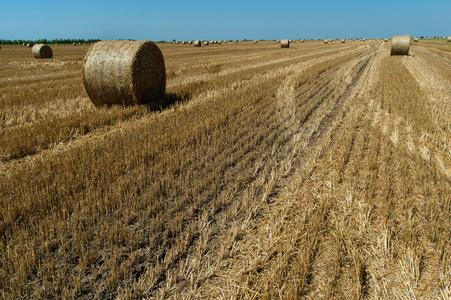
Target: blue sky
221 20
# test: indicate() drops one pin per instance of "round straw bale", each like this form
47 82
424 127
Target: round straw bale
400 45
448 39
197 43
255 42
29 45
124 72
42 51
206 43
343 41
326 41
415 40
385 40
285 44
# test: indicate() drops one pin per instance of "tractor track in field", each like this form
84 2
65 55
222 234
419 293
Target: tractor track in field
289 159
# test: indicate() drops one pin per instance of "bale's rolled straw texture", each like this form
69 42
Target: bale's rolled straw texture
400 45
197 43
285 44
42 51
124 72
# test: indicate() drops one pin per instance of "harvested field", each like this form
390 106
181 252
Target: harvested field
314 172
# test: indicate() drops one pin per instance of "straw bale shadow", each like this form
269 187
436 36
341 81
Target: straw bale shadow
167 100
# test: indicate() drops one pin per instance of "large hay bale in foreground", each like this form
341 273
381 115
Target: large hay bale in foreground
124 72
285 44
42 51
400 45
197 43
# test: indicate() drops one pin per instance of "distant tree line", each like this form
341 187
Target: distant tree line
46 41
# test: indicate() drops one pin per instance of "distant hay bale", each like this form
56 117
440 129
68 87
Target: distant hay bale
124 72
29 45
385 40
42 51
448 39
400 45
75 44
326 41
343 41
206 43
285 44
197 43
415 40
255 42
